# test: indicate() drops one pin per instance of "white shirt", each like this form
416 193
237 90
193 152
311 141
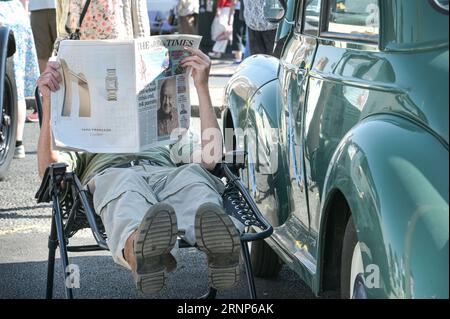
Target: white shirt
35 5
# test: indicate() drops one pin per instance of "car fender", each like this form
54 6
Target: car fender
253 110
253 73
393 174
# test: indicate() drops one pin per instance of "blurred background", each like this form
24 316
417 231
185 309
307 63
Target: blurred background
162 17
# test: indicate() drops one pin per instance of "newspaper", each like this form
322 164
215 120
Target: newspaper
122 96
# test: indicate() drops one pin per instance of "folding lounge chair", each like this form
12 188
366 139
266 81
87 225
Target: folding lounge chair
72 210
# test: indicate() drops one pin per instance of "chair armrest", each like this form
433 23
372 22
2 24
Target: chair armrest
53 176
239 203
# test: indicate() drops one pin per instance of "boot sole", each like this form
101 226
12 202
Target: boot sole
156 237
217 236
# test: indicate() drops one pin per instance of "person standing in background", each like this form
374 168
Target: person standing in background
261 33
206 15
43 24
239 27
26 70
62 11
187 11
225 13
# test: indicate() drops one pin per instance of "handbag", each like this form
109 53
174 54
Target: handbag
75 35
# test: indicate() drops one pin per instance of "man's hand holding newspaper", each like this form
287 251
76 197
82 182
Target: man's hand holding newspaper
202 62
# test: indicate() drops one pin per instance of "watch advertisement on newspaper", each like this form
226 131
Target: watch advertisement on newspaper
122 96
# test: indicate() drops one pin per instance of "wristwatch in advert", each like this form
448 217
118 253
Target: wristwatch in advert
111 84
69 77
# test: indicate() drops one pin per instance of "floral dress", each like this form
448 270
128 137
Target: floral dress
26 68
109 19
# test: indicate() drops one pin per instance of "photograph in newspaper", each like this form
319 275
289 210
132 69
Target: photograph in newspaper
167 111
122 96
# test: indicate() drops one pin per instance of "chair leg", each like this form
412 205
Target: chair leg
248 269
62 245
52 245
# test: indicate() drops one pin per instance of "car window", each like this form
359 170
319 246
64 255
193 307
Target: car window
358 18
311 17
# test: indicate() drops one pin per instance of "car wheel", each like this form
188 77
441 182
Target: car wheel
265 262
8 120
352 267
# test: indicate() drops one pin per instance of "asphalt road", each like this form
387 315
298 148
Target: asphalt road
24 229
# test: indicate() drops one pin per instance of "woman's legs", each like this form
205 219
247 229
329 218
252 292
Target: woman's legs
21 115
238 33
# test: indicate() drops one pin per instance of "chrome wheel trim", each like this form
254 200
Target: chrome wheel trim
357 274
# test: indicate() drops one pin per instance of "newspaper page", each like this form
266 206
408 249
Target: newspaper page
121 96
165 99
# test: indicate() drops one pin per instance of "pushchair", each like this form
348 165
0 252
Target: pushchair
72 210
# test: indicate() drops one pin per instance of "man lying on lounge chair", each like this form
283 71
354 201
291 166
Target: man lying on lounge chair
145 200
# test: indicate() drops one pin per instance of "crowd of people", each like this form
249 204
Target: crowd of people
238 25
143 206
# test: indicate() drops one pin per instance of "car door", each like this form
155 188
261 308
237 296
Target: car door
295 62
341 90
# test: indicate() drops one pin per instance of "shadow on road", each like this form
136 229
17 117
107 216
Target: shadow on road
101 278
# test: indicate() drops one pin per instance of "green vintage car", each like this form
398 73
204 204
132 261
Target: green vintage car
348 145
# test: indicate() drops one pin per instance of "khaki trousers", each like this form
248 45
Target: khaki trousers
122 196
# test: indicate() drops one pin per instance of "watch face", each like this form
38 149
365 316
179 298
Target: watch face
111 83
